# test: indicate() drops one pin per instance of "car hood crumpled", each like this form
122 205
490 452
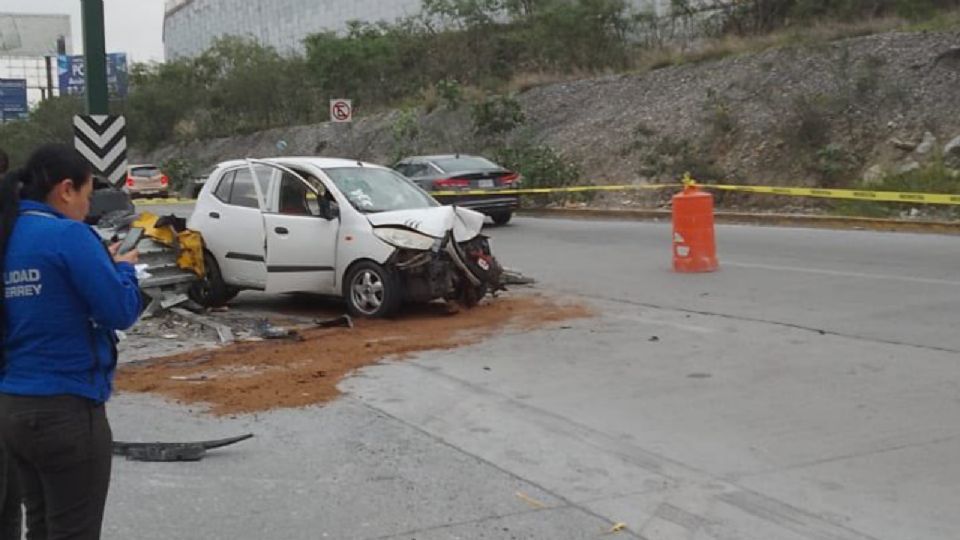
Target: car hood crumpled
436 222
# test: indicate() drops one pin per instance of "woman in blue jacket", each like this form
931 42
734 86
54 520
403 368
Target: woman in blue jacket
64 297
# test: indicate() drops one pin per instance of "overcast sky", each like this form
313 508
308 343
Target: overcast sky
132 26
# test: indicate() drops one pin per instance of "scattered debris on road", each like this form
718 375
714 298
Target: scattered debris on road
512 276
343 320
617 527
266 330
250 376
224 332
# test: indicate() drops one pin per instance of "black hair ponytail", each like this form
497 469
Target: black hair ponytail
9 208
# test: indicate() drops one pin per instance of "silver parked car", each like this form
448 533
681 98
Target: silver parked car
146 180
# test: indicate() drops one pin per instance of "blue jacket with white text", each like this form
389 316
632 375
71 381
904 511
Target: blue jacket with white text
64 300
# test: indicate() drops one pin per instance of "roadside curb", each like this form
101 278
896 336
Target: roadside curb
773 220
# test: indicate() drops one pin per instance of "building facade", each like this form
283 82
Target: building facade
191 26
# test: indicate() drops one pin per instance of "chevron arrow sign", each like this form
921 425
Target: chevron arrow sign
102 139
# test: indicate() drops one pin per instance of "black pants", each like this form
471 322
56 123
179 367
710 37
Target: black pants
61 448
10 511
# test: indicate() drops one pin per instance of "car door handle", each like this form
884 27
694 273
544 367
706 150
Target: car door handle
215 215
281 230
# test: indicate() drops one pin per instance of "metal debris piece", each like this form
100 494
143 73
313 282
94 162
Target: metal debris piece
170 300
617 527
225 333
268 331
343 320
190 378
515 277
161 300
162 451
530 500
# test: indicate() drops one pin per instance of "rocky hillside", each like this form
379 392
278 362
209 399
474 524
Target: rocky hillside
824 115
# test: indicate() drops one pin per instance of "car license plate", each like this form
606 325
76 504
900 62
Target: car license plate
486 183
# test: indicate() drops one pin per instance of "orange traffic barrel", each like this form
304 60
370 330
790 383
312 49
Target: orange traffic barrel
694 245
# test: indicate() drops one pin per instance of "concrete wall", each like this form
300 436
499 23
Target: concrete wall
191 26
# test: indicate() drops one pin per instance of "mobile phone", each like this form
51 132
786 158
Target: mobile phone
131 240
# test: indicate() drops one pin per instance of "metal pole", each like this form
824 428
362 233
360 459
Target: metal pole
95 53
49 64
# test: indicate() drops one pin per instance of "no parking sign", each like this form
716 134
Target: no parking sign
341 110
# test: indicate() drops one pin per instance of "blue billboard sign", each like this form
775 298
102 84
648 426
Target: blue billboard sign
13 100
71 72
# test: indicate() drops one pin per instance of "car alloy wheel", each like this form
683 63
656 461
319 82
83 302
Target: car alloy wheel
367 291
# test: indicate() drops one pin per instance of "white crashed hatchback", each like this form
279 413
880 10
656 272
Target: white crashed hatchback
336 227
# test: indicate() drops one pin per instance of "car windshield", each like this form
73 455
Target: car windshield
372 190
147 170
465 163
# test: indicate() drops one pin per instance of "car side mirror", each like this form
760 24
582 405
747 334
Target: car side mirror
329 211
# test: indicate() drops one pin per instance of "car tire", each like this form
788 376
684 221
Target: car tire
371 291
502 218
212 291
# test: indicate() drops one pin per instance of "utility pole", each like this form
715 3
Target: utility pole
95 57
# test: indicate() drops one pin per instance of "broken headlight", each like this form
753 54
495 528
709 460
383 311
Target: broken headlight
405 239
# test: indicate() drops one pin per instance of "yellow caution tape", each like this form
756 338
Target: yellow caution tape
545 191
850 194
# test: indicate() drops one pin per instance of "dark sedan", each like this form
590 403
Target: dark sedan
460 172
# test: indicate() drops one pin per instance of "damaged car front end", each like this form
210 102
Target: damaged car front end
440 253
462 273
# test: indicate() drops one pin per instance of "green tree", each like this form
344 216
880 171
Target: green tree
373 62
50 121
161 96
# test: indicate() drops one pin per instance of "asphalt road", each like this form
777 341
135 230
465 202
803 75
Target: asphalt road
808 390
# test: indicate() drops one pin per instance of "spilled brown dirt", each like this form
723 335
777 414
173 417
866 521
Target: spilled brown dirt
256 376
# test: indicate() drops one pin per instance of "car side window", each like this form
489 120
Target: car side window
416 169
295 198
243 192
223 188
